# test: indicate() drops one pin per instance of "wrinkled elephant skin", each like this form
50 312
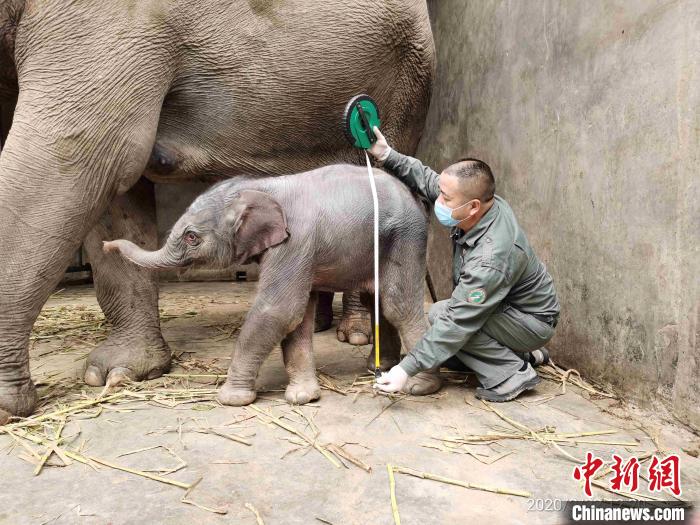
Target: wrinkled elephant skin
115 96
324 242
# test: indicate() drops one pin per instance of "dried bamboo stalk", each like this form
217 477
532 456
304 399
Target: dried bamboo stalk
488 461
327 381
252 509
24 445
227 436
185 499
52 415
392 492
187 376
599 442
514 423
548 438
42 461
565 377
309 420
565 453
475 439
340 451
87 459
555 373
466 485
311 442
587 434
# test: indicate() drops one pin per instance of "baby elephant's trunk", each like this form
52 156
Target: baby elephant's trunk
153 260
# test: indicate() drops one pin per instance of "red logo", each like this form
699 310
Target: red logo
587 470
627 475
663 474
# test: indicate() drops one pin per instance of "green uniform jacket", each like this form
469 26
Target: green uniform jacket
493 262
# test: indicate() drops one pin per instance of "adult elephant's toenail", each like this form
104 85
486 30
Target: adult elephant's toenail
93 376
119 376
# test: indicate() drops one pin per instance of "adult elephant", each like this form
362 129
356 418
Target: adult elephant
114 95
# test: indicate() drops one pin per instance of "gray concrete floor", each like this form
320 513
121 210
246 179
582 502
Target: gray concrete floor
302 486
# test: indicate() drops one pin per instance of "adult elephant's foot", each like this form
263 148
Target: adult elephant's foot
355 326
128 295
324 312
127 357
385 361
17 400
355 329
235 396
423 383
302 392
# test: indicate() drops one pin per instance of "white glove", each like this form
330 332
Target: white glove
380 149
393 380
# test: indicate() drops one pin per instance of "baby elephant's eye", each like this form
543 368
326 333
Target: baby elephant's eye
192 238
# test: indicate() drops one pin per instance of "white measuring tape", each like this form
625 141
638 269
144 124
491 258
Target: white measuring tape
375 203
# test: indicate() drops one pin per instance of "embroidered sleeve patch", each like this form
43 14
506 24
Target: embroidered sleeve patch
476 296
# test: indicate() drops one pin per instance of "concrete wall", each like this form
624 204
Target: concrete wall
587 111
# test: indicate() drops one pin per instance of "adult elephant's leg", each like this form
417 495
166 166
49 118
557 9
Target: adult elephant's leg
50 196
128 294
324 311
389 340
81 133
297 350
355 327
276 312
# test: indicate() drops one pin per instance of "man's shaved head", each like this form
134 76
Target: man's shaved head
475 178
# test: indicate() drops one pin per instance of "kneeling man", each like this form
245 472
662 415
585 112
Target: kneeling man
503 303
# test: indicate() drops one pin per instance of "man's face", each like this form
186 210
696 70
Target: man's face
452 196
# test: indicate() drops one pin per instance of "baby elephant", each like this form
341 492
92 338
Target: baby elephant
309 232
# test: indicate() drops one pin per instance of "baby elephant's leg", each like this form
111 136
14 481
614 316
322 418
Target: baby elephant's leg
270 319
408 317
402 305
389 340
297 350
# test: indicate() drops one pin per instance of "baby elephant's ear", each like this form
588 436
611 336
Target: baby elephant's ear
258 224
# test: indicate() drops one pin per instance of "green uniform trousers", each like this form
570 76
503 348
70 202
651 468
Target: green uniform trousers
490 352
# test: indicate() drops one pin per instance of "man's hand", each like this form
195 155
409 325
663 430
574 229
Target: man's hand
393 380
380 149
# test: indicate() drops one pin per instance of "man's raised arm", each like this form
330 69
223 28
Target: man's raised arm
421 179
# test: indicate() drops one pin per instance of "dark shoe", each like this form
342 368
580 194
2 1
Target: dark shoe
511 387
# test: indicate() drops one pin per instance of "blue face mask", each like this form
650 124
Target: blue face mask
444 214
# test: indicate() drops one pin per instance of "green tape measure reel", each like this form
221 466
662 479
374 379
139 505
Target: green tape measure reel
361 115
